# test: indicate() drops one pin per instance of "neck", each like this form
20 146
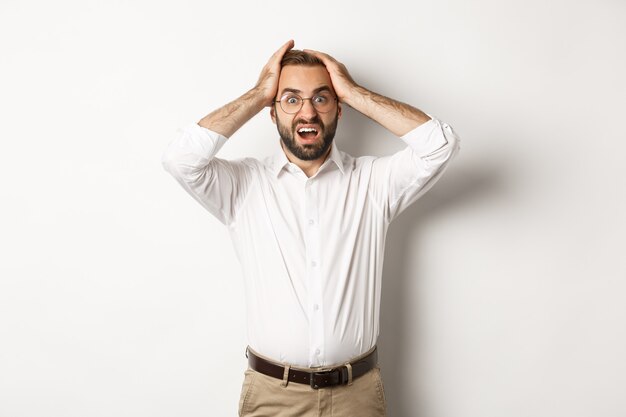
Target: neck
309 168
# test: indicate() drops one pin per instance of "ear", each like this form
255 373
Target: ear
273 113
338 110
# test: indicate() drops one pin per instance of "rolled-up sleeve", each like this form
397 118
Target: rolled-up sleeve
218 185
400 179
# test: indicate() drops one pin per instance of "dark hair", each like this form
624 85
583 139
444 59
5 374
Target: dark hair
297 57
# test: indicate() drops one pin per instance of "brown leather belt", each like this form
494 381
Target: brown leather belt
326 377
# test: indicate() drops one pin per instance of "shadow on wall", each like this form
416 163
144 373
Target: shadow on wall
466 183
457 188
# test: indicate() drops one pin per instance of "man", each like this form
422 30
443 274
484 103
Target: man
308 225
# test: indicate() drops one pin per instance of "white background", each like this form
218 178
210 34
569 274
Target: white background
504 286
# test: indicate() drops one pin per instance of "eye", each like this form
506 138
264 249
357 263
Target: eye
291 99
320 99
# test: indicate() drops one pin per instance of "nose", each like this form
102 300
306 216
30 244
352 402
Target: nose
307 110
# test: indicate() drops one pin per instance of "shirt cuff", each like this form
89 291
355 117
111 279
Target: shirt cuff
426 138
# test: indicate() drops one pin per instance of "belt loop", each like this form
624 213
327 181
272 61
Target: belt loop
285 376
349 366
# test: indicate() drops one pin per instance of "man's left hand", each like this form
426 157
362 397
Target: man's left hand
343 83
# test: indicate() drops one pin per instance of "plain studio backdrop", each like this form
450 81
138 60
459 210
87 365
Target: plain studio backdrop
503 288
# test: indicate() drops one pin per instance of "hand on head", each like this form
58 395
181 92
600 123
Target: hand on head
267 84
268 80
339 75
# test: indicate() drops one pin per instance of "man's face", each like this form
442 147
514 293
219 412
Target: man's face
306 81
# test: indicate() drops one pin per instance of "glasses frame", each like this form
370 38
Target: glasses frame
303 99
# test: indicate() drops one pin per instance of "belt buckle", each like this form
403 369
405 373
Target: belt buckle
327 378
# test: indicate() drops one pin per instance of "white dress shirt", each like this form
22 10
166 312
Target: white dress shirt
311 249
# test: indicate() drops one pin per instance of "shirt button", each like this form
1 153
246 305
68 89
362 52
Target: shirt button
317 351
311 221
313 264
316 307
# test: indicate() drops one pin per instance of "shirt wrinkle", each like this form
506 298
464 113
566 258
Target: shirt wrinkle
311 249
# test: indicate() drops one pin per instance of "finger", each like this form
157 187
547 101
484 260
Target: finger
313 51
277 56
287 46
321 55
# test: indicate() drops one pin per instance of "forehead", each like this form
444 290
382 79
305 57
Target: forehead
303 78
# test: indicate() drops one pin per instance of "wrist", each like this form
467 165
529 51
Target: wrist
354 96
259 97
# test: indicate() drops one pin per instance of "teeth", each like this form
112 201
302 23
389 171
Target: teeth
307 129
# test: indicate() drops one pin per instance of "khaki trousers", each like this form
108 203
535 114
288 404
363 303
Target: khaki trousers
265 396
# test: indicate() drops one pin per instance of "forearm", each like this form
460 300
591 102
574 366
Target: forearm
228 119
398 117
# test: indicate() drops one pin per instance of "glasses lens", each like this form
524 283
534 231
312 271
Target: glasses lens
323 102
291 103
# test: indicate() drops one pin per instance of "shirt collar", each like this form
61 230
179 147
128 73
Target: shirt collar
279 160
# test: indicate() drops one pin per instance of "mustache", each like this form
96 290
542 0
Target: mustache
314 120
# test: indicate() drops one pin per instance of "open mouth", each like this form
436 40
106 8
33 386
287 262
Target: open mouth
308 133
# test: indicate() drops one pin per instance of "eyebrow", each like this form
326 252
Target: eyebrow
296 91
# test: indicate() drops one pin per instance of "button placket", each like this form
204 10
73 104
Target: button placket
314 274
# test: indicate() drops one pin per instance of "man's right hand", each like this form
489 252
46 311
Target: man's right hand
229 118
267 85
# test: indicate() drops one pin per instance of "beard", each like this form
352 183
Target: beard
308 151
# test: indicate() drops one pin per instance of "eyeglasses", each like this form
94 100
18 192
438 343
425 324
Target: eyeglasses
292 103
